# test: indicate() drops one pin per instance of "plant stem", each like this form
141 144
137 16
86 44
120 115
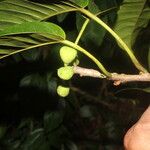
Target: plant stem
82 30
97 62
120 41
117 78
86 23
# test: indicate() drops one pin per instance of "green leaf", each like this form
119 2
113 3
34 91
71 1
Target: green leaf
25 11
47 29
24 39
51 83
14 43
147 90
57 137
128 17
5 51
35 141
40 81
142 22
42 33
93 7
81 3
144 18
71 146
53 120
34 80
62 17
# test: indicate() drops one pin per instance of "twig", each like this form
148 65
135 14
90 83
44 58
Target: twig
88 72
123 78
120 105
93 99
117 78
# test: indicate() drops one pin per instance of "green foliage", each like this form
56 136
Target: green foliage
44 82
81 3
142 22
26 11
35 141
47 29
130 14
49 32
33 116
93 34
39 139
34 80
53 120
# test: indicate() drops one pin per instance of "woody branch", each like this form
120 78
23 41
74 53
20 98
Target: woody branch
117 78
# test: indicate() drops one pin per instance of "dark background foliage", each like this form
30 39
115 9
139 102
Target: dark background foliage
94 116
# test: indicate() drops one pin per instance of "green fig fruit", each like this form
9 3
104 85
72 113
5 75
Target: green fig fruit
63 91
65 73
67 54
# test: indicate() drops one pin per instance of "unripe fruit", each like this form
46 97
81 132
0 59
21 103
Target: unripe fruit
65 73
62 91
67 54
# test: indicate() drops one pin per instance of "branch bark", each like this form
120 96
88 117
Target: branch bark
117 78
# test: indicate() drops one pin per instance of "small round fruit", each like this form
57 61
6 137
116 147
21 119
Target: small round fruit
67 54
65 73
63 91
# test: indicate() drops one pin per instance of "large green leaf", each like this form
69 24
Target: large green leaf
142 21
51 30
19 11
38 33
22 17
128 17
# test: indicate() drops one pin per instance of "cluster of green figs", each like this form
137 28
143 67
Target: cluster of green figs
67 55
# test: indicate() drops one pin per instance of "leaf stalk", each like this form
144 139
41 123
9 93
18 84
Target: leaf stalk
120 41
